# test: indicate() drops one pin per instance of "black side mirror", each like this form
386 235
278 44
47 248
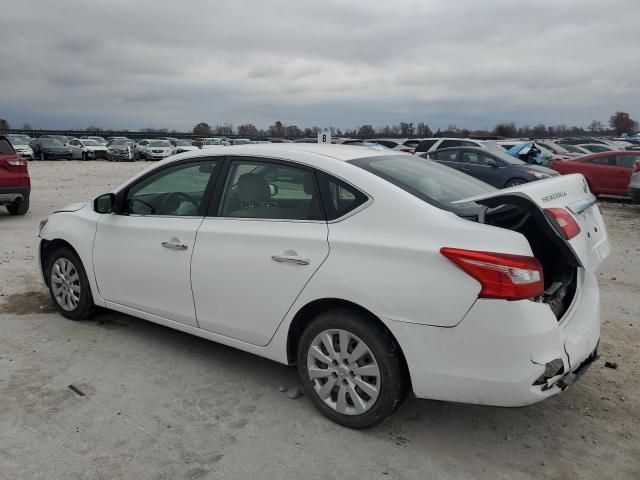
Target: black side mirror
492 163
104 203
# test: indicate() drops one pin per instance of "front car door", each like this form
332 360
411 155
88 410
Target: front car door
264 240
76 149
142 255
484 166
598 171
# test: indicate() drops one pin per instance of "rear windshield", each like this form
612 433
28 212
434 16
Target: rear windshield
159 143
5 147
427 180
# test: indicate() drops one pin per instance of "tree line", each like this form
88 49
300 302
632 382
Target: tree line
619 123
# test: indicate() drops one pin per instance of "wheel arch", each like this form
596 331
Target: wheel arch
308 312
49 246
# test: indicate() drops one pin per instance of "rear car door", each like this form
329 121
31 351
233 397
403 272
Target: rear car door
450 158
142 255
483 167
263 242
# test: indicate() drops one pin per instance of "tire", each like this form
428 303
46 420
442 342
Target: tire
84 156
42 158
19 208
382 359
64 264
515 181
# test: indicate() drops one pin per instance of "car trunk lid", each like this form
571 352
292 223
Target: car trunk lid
570 193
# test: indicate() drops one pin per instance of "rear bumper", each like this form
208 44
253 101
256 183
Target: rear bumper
10 195
498 352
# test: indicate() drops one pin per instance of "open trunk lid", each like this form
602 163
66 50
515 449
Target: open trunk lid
569 192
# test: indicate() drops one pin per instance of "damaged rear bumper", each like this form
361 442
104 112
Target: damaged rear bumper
498 353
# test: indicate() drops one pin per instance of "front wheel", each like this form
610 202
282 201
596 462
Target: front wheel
84 156
351 368
68 284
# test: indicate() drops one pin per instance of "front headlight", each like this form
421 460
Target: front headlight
538 175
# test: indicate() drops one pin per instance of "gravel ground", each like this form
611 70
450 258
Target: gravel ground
158 403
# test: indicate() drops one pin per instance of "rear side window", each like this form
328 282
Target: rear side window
338 197
600 161
444 156
5 147
626 161
425 145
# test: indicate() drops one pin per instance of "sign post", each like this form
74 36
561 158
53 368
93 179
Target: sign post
324 137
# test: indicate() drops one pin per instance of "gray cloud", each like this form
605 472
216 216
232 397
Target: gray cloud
173 64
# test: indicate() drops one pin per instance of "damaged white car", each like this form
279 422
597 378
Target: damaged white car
379 274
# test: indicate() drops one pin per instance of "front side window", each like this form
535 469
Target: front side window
176 191
626 161
444 156
259 189
477 158
450 143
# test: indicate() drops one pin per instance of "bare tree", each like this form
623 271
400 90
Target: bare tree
247 130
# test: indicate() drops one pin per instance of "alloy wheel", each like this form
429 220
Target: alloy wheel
65 284
344 372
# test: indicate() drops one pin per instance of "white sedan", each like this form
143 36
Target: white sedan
377 273
87 149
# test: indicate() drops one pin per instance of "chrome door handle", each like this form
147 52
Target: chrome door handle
290 259
175 245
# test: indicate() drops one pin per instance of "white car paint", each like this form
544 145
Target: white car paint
80 147
151 149
384 257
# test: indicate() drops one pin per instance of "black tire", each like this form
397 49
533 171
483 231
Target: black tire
85 306
19 208
394 380
515 181
84 156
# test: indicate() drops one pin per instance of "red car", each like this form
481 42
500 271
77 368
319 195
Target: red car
607 173
15 184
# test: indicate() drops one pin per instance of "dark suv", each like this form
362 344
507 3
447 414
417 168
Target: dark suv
15 184
45 147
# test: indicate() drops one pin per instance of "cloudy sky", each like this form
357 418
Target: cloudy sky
137 63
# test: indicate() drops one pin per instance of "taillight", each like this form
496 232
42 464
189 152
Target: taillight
563 222
17 162
501 275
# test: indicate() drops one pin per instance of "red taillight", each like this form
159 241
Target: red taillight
17 162
563 222
501 275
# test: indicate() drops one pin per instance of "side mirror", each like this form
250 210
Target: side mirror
104 203
492 163
273 189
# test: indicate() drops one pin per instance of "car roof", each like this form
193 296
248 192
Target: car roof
334 151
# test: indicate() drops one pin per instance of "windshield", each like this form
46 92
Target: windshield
184 143
505 157
52 142
427 180
572 149
493 147
212 141
119 143
159 143
91 143
19 139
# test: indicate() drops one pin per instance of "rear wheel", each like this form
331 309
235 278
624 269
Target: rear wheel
19 208
351 368
514 182
68 284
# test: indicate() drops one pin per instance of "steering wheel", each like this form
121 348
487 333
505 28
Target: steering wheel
172 201
151 208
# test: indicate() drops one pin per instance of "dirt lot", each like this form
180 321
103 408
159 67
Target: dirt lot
162 404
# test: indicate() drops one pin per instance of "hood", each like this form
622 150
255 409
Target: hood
74 207
539 168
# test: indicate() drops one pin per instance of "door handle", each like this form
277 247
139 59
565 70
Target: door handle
175 245
290 259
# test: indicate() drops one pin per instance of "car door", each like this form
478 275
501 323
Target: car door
483 166
621 173
142 254
76 148
598 171
449 158
263 242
